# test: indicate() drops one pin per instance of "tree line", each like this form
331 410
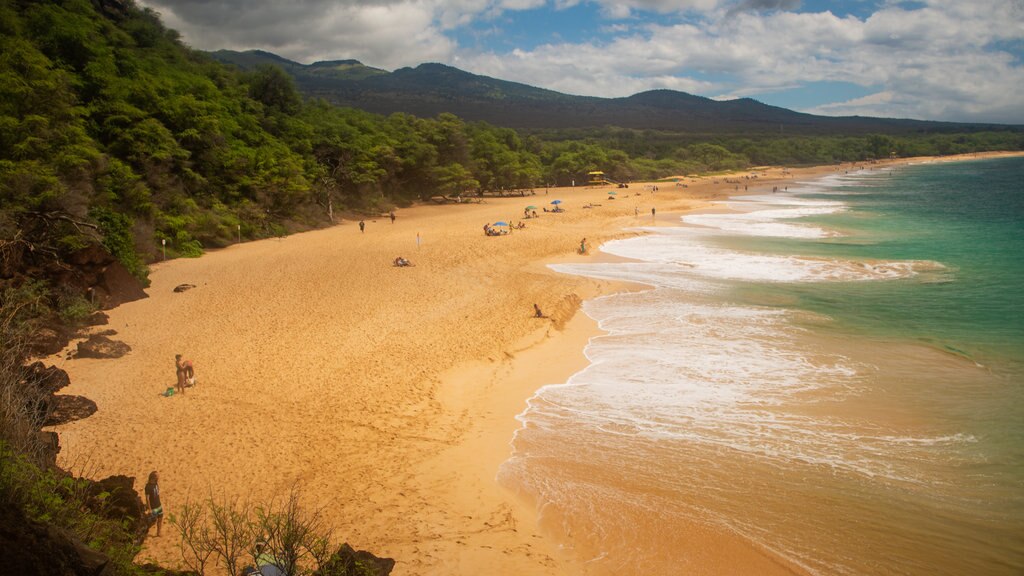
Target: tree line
135 140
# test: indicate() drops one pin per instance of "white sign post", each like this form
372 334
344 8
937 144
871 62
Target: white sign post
163 241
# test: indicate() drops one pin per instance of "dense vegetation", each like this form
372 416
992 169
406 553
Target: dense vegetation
111 128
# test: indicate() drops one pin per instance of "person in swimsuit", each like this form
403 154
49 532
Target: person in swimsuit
181 372
156 511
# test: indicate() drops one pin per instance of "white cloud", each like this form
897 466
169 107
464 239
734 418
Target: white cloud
934 62
384 34
923 60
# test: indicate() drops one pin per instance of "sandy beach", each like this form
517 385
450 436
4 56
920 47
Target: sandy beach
387 395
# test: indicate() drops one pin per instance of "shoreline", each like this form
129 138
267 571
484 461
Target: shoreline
408 452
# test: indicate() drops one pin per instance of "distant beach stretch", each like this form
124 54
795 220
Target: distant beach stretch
382 368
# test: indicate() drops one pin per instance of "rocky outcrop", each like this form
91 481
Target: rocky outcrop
66 408
101 278
45 379
115 498
35 549
39 383
99 346
349 562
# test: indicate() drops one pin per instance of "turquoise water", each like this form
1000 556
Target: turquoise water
835 374
968 216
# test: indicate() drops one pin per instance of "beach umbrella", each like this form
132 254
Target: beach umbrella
612 193
501 223
556 201
531 207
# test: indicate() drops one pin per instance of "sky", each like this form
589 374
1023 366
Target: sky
953 60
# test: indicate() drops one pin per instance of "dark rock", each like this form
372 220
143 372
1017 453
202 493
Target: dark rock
101 347
349 562
66 408
155 570
50 443
45 379
38 383
97 319
184 287
34 549
99 277
47 341
121 502
120 286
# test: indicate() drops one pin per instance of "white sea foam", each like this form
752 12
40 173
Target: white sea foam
678 366
717 375
689 251
767 222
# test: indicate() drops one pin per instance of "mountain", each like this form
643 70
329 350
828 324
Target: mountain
431 89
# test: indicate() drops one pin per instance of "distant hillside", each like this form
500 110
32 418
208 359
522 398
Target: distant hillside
431 89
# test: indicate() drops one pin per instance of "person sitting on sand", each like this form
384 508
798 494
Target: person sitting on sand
402 262
190 373
536 311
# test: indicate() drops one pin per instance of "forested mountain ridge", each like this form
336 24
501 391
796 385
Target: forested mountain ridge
430 89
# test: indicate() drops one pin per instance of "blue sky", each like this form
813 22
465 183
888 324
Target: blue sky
934 59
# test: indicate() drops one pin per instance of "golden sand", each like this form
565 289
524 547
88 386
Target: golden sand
387 394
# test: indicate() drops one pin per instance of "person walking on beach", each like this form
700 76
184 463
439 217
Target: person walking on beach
392 216
362 225
583 246
156 511
653 211
181 370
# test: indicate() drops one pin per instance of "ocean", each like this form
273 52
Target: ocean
835 373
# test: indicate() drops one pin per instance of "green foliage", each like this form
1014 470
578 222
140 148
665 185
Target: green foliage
55 498
274 88
118 238
75 309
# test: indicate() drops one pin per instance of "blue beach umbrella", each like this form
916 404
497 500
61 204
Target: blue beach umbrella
556 201
501 223
612 193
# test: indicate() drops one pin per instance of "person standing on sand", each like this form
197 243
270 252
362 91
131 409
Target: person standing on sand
182 373
653 211
536 311
152 491
392 216
362 225
583 246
